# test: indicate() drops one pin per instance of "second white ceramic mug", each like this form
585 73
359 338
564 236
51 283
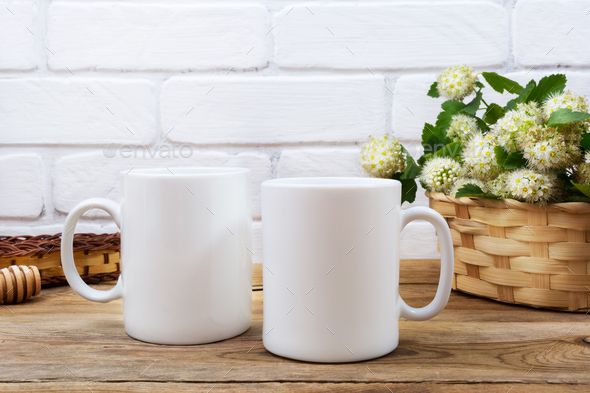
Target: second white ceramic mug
186 241
331 267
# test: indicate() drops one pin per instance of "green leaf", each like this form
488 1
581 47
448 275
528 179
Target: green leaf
522 97
479 84
493 113
500 83
482 125
585 141
473 106
501 155
584 188
412 169
547 85
408 188
433 138
510 105
471 190
452 150
424 158
433 92
565 116
513 160
577 198
452 106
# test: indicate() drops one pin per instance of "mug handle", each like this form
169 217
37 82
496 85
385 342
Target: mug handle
446 269
67 250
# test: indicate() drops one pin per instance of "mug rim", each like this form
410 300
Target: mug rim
347 182
202 171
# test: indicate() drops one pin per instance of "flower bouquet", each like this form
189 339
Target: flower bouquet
512 181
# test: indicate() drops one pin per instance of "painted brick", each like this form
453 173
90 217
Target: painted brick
391 36
22 186
156 37
18 26
412 107
319 162
77 111
273 109
88 175
551 33
418 241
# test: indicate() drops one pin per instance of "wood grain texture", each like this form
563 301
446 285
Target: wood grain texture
58 341
348 387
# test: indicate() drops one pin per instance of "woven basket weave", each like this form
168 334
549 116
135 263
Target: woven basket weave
520 253
96 256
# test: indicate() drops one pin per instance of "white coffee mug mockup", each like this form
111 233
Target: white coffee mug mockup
186 236
331 267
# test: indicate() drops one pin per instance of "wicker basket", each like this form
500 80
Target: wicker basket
519 253
96 256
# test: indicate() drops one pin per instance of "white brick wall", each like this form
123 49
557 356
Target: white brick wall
76 110
356 36
21 184
551 33
272 109
19 22
156 37
284 88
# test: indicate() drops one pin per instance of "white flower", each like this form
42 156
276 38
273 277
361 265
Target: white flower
587 157
529 186
498 186
547 154
569 100
382 157
479 157
509 129
462 127
467 180
456 82
440 173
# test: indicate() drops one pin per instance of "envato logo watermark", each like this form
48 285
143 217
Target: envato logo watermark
416 149
163 150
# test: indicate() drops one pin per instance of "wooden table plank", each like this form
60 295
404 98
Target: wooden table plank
60 338
169 387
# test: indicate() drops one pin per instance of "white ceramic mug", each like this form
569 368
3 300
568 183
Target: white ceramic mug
331 267
186 256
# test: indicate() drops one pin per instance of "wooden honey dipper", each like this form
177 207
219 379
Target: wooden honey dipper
19 283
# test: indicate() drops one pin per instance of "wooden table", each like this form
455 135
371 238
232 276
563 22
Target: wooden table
59 341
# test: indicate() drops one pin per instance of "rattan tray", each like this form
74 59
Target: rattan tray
96 256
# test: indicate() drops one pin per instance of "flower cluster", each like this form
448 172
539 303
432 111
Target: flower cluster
461 127
535 149
382 157
479 157
523 152
509 129
499 185
567 100
456 82
529 186
440 173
